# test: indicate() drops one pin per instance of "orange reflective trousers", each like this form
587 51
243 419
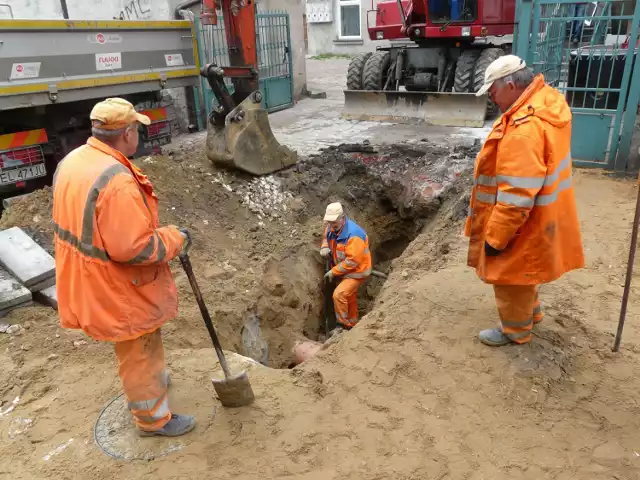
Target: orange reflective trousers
144 379
345 301
519 308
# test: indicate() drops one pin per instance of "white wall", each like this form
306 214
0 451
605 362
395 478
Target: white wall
323 37
90 9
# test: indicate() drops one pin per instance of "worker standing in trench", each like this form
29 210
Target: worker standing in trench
523 225
348 245
112 272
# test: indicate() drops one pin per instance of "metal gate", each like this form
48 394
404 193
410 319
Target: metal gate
273 38
587 50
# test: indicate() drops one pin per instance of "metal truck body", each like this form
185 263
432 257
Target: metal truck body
52 72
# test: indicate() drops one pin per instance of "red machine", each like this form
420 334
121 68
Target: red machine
238 131
453 43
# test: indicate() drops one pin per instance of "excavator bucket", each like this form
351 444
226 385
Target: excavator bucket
246 141
430 108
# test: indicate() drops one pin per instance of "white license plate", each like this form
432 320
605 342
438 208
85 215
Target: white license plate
15 175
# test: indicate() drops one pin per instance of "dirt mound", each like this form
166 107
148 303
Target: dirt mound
33 215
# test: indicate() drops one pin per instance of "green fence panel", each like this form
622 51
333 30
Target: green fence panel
583 50
273 39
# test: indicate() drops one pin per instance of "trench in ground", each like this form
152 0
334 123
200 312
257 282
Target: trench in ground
292 306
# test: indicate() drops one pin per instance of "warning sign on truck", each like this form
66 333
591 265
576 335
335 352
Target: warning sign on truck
25 70
108 61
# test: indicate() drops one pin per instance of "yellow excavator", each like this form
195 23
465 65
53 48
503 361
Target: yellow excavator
238 132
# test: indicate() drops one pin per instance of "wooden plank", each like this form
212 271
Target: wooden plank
25 259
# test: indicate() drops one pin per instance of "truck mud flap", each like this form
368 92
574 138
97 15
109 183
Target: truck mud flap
430 108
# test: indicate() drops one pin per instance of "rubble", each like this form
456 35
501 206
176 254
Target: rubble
14 330
265 197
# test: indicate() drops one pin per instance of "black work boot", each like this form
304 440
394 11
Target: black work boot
178 425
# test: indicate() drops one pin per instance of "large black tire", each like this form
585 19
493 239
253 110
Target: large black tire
375 71
354 72
485 59
463 76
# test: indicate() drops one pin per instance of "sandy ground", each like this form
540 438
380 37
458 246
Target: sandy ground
409 393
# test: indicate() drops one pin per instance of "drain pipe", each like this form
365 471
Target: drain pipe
183 6
65 9
192 94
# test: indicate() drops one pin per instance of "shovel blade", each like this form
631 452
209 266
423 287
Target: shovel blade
430 108
234 391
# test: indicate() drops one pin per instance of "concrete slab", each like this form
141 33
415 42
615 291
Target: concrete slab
48 296
24 258
5 311
12 293
44 284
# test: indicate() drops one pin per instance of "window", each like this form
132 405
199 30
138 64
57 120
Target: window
349 20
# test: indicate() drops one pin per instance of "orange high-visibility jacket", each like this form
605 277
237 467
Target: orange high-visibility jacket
350 250
522 201
113 280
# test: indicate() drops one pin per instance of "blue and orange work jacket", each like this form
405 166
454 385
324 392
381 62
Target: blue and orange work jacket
349 250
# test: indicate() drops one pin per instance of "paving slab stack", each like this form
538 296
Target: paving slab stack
27 272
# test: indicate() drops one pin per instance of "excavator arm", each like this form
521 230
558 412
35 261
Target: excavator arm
238 132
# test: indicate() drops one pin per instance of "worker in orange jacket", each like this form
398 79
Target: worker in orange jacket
523 225
348 245
112 272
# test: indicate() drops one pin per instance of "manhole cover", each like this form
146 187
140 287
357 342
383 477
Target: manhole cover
115 433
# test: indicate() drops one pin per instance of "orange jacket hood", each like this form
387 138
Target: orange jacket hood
542 101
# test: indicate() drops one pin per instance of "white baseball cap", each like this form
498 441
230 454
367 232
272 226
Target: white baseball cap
333 212
500 68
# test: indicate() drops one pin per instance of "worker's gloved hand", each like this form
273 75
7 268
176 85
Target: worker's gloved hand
329 276
186 244
324 252
489 251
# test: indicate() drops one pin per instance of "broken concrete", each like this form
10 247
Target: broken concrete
12 293
26 260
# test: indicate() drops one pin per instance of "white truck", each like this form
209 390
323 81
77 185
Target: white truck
52 72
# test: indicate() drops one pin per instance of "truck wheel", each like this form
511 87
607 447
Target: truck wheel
487 56
354 73
463 76
375 71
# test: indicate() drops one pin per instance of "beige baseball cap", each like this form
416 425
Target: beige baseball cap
500 68
116 113
333 212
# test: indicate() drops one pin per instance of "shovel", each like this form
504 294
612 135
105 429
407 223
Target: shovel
233 391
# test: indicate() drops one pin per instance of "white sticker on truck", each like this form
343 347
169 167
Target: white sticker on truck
174 60
25 70
108 61
102 38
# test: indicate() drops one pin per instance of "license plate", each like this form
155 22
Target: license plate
15 175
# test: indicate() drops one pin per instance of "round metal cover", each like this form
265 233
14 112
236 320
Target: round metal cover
115 433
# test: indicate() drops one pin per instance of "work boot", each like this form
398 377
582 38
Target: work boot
338 330
178 425
494 337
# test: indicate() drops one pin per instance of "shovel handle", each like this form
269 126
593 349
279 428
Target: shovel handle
186 265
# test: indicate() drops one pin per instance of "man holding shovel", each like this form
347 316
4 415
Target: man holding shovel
347 245
112 272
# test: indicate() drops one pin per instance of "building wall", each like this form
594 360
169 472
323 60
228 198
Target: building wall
90 9
323 37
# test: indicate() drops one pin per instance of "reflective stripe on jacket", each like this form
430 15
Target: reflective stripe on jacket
522 201
113 280
350 250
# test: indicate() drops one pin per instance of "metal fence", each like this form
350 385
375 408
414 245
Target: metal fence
583 49
273 39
